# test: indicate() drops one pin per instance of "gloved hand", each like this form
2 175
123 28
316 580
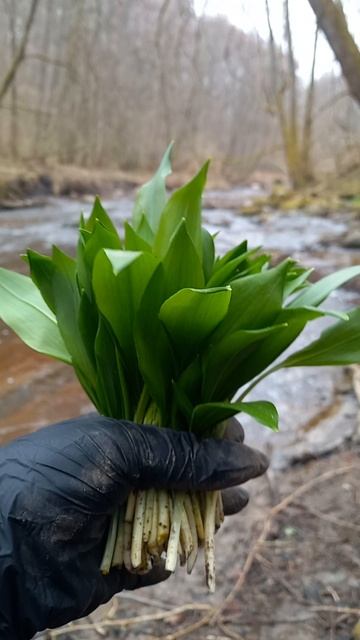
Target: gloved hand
58 487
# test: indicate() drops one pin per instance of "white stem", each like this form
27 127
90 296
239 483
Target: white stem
192 524
211 499
163 526
110 543
198 517
118 557
137 533
173 543
128 526
150 495
152 545
185 534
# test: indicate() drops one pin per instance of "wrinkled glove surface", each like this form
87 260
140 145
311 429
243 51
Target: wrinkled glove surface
59 486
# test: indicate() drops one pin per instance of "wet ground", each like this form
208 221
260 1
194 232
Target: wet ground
304 579
312 403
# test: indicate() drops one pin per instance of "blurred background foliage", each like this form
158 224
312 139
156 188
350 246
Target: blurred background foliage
108 84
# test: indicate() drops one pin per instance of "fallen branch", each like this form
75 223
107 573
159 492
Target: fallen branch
281 506
127 622
350 611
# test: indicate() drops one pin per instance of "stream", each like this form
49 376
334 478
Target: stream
318 408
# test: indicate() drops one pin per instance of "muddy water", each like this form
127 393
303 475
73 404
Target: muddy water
317 407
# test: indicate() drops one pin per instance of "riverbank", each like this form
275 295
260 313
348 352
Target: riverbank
22 186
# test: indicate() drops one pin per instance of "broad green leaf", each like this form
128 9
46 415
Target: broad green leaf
318 292
90 243
208 253
233 253
209 415
67 305
256 300
24 310
222 361
151 198
119 280
191 315
145 232
184 203
98 213
298 282
133 241
257 265
338 345
189 380
153 349
182 265
88 321
109 382
42 273
229 270
100 238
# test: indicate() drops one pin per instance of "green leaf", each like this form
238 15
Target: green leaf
98 213
256 300
298 282
229 270
42 273
88 324
182 265
184 203
67 305
208 253
109 382
88 248
222 362
206 416
152 345
133 241
191 315
145 232
318 292
119 280
235 252
24 310
270 348
151 198
338 345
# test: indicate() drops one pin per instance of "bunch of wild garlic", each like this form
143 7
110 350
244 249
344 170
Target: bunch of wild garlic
161 331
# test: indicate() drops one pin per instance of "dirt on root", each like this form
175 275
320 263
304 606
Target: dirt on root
302 581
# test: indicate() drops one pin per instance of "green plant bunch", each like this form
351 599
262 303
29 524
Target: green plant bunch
160 330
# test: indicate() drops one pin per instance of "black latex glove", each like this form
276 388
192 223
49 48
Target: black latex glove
58 487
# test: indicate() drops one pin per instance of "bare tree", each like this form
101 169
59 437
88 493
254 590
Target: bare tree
20 53
284 102
332 22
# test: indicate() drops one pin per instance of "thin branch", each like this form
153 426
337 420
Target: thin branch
20 55
128 622
274 512
215 614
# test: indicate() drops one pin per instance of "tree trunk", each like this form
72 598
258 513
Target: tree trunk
20 54
307 139
332 22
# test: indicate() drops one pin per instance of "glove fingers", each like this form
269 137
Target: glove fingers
234 500
177 460
234 431
117 580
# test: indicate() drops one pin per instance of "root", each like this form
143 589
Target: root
210 508
156 521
